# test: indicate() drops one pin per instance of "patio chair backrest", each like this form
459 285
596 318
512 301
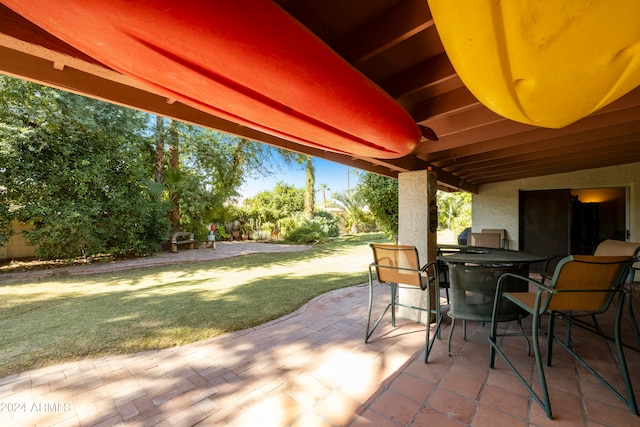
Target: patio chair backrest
578 279
486 240
397 264
617 247
504 243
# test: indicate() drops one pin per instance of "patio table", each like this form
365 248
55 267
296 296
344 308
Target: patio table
473 275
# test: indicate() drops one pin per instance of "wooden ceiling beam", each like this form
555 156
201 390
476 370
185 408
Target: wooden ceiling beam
448 104
609 145
389 29
574 142
532 173
464 121
424 75
514 134
561 164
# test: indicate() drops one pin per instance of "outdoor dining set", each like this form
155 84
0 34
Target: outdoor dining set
494 286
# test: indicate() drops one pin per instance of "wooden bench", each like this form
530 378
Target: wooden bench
182 238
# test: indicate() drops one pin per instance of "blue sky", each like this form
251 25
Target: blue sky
334 175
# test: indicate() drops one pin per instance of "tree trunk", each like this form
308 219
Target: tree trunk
174 163
159 166
324 188
310 193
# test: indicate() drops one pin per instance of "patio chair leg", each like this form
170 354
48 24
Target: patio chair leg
544 401
630 400
436 333
366 333
550 327
453 325
393 304
495 349
524 334
369 329
567 336
632 317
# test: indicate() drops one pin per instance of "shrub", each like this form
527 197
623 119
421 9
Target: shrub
221 233
261 235
308 232
328 222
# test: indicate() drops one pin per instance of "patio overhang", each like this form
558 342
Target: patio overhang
394 44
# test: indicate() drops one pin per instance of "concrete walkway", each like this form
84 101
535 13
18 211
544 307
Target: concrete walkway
223 250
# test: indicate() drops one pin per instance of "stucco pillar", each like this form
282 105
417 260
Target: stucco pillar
414 201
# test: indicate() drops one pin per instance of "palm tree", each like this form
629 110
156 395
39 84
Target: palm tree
353 204
324 188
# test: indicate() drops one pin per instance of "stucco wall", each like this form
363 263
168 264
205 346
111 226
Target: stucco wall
413 215
496 205
413 222
17 246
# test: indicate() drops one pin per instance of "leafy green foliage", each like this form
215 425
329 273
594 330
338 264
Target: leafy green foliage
454 211
301 230
381 195
353 203
328 222
213 166
284 201
308 232
77 170
5 221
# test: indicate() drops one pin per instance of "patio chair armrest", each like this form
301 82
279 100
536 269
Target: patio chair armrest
541 290
539 284
523 278
429 264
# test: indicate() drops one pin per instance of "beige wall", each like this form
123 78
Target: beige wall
412 211
17 246
496 205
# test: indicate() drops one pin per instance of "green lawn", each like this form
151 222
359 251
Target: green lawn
59 319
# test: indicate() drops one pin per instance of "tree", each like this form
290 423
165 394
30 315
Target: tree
454 211
309 189
290 158
158 173
284 201
213 167
176 176
77 169
353 204
381 195
324 188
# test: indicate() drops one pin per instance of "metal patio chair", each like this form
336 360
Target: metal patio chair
581 283
609 247
399 267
